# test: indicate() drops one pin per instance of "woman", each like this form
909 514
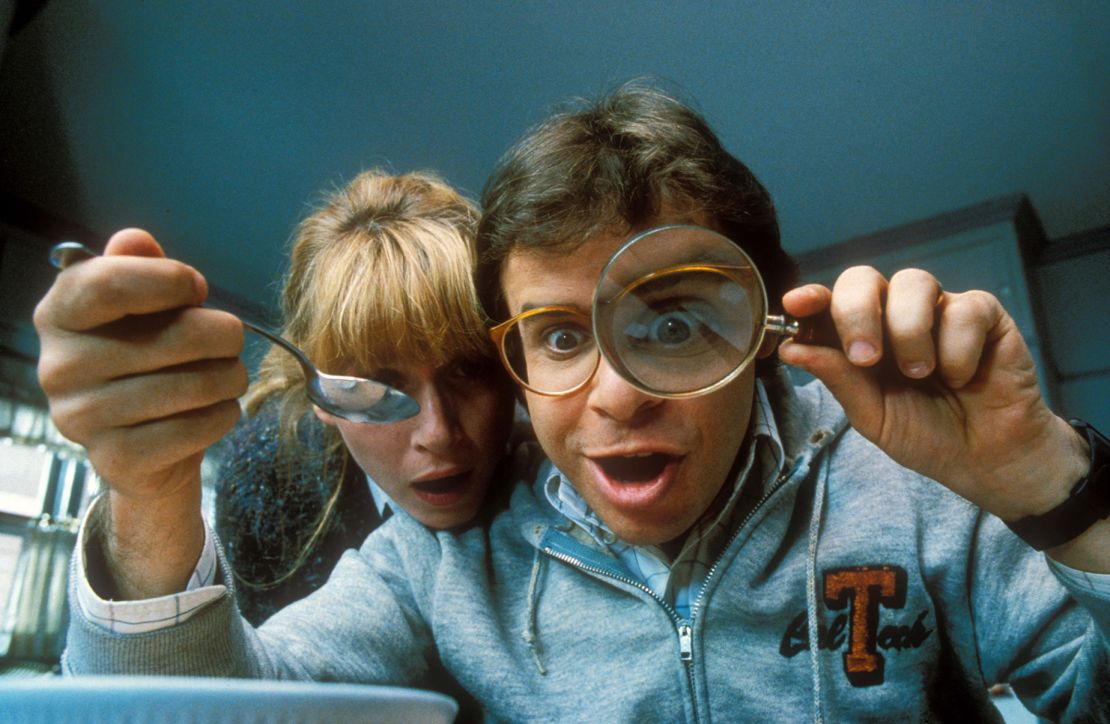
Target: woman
380 286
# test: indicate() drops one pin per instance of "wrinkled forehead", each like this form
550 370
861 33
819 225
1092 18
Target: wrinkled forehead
566 275
570 262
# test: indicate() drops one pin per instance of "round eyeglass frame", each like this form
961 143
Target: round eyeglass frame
771 323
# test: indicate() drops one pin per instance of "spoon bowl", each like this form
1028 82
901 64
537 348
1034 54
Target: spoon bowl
352 398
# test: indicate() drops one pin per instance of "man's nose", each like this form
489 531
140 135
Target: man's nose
611 396
437 425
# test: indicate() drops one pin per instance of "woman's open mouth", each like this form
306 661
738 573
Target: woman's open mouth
442 491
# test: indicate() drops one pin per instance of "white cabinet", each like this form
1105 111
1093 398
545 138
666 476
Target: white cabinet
987 246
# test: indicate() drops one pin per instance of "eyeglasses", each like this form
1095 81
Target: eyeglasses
679 311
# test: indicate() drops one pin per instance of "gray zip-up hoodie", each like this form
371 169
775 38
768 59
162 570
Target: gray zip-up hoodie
855 591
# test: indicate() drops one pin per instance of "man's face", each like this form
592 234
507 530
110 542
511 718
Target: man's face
648 466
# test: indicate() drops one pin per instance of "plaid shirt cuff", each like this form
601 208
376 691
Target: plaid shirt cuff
152 614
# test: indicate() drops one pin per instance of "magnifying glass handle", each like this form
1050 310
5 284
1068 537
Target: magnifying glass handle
818 329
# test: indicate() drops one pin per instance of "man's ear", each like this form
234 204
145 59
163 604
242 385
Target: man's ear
325 417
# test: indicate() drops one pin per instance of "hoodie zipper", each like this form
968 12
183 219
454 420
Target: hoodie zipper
682 626
779 482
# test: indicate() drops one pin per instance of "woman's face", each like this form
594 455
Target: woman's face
437 465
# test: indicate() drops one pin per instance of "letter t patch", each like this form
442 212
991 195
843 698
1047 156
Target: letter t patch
864 588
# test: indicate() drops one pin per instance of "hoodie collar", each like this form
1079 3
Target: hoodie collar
763 447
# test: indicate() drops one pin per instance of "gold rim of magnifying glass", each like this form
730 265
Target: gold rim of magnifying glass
722 269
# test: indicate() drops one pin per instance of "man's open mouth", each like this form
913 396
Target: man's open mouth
634 468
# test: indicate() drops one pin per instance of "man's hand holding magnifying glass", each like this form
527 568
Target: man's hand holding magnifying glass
966 410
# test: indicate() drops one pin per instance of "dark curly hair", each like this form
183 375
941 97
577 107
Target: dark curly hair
615 164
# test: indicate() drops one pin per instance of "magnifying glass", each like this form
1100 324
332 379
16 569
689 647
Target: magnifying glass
681 311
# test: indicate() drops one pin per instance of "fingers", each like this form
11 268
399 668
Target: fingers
969 322
133 242
145 421
132 458
133 369
807 300
136 345
857 309
910 317
140 399
105 289
852 385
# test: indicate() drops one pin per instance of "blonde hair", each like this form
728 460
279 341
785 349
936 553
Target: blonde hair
380 273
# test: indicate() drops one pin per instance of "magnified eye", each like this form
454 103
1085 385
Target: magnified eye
681 327
674 328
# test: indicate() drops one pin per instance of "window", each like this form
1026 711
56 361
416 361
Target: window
45 485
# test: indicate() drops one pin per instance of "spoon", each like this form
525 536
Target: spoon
352 398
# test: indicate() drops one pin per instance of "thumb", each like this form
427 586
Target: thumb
133 242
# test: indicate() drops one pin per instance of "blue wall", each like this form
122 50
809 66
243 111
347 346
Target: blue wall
214 124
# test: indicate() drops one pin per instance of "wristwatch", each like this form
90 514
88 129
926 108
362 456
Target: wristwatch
1088 502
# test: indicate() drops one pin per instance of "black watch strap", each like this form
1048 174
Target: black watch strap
1088 502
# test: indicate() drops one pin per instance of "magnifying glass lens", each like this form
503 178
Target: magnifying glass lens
679 310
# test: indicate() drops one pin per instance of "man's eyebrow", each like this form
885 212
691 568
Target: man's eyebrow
529 306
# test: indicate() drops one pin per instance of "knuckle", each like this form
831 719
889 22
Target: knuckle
74 419
910 326
970 306
60 374
242 379
51 375
221 380
983 301
217 332
228 414
212 423
861 271
860 279
913 275
42 314
859 288
99 284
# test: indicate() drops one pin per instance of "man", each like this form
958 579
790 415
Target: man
735 552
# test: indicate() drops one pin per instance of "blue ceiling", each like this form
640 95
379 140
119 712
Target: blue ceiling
215 124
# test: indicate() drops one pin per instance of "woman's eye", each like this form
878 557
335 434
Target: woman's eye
471 368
